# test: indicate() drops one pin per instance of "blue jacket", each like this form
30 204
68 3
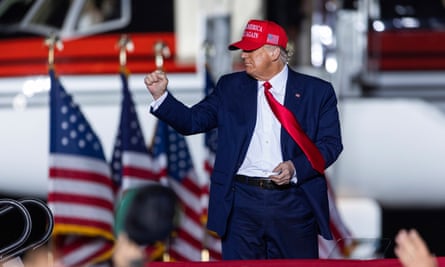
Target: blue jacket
232 109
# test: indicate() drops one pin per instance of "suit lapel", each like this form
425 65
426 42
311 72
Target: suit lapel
251 89
292 101
248 98
294 92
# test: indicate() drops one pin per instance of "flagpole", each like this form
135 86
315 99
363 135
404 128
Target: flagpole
166 254
209 50
125 44
205 254
53 42
161 51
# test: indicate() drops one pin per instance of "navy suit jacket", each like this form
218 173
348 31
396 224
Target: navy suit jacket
232 109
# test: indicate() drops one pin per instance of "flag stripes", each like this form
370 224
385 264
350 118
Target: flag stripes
342 238
80 191
186 243
79 251
212 241
132 164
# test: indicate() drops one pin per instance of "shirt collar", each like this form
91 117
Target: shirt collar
278 81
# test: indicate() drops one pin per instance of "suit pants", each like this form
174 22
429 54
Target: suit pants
270 224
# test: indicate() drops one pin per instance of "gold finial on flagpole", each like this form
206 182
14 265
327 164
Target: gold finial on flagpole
53 42
166 255
125 44
205 255
161 51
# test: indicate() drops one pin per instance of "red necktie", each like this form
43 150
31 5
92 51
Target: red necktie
290 123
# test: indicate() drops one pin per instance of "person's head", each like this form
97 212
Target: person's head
151 215
263 48
147 214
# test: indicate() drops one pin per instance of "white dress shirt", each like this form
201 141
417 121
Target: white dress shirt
264 152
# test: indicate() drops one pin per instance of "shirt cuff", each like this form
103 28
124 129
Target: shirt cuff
294 178
157 103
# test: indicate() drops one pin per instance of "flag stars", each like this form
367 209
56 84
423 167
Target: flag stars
116 165
173 147
182 155
89 137
129 138
172 137
82 143
64 141
182 164
156 141
72 134
182 144
117 144
96 146
75 129
134 125
173 157
134 140
73 118
81 127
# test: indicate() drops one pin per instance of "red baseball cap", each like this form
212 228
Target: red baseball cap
260 32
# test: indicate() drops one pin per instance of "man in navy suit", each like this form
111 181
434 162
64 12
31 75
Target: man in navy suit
267 201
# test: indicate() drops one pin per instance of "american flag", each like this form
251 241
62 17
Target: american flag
212 241
132 165
171 148
272 38
80 194
210 137
342 240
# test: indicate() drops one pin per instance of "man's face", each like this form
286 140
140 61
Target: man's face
258 62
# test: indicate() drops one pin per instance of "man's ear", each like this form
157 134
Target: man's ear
275 53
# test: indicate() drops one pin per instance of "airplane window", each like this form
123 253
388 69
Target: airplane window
12 12
413 8
79 18
51 13
429 14
98 11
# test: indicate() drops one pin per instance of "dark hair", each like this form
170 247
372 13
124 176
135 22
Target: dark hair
151 215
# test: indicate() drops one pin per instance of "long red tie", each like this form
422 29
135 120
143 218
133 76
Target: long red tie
290 123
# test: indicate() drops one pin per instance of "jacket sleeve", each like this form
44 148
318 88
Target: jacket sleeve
325 132
199 118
